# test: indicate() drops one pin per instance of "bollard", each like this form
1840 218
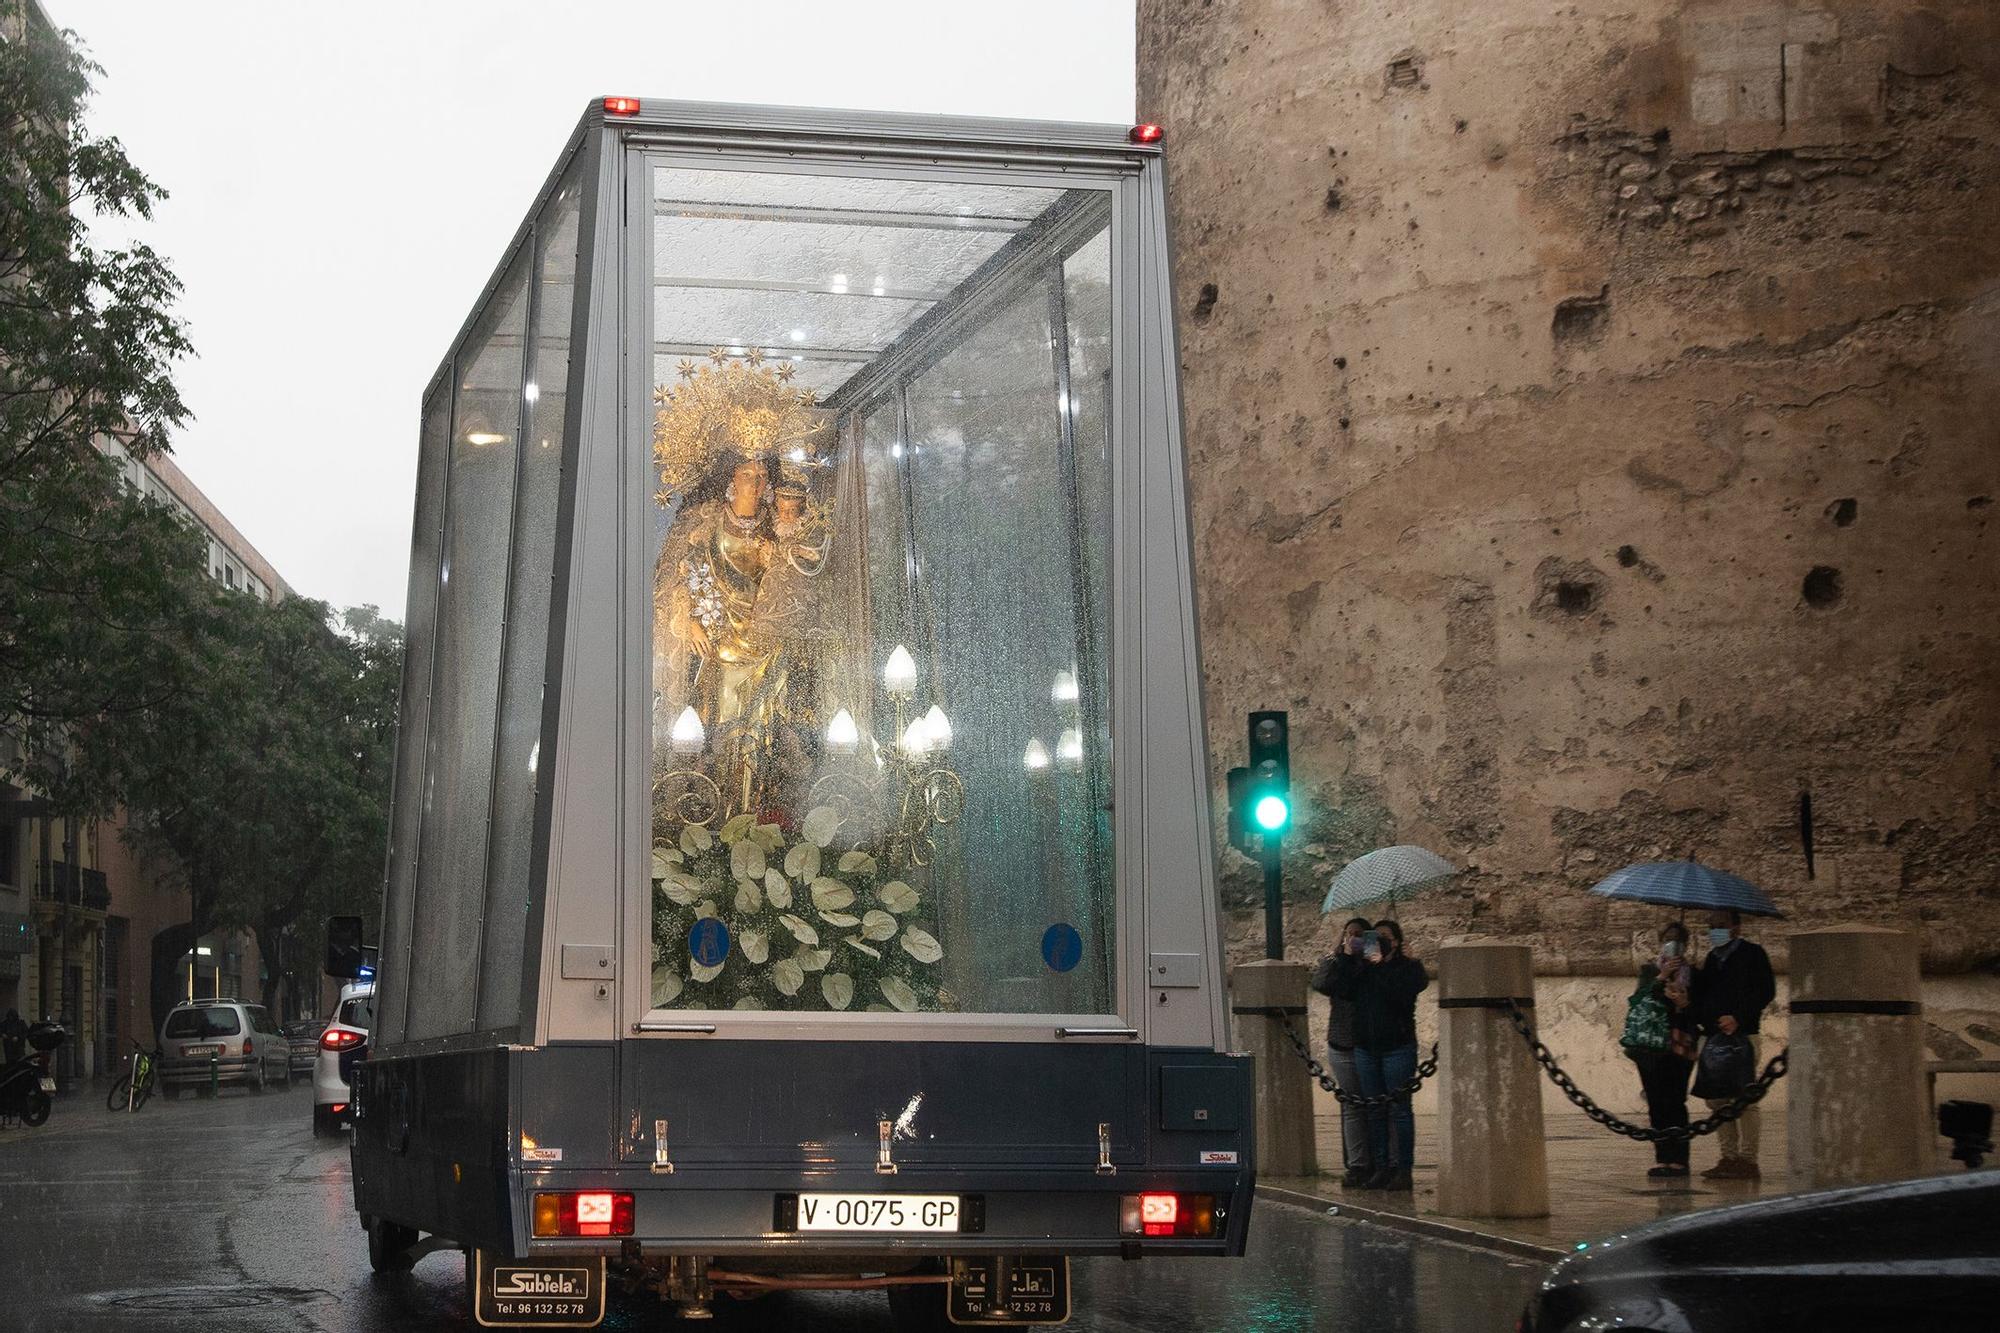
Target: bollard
1263 996
1492 1158
214 1075
1857 1109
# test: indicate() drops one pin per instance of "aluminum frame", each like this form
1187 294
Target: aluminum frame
588 881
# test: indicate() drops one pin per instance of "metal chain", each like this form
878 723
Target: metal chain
1774 1069
1318 1071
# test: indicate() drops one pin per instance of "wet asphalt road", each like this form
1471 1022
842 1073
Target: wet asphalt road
228 1215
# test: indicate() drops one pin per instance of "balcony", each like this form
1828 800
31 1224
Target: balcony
78 886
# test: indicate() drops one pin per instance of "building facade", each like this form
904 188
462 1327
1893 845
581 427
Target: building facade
1591 424
76 939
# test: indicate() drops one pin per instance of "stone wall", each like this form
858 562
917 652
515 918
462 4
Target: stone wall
1594 428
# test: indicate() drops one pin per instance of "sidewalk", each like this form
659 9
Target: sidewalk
1597 1186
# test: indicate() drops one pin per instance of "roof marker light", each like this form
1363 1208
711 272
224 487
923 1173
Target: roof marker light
621 106
1146 134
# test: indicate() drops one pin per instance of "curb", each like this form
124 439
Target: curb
1422 1226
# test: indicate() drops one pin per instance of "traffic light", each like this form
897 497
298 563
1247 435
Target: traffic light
1239 808
1270 779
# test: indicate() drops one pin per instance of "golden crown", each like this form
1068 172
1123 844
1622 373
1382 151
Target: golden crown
731 405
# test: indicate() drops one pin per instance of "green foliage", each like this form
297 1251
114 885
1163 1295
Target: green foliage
94 579
811 926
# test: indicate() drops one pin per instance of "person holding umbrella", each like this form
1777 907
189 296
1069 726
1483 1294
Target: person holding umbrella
1732 988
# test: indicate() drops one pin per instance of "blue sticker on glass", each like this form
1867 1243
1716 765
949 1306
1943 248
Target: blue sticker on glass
708 941
1062 947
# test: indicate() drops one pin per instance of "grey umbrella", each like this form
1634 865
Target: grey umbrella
1385 873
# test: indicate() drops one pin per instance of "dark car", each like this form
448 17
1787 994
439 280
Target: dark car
1914 1254
303 1036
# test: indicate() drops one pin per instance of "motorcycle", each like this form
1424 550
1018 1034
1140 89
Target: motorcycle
27 1089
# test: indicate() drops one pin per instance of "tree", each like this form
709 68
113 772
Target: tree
267 782
95 580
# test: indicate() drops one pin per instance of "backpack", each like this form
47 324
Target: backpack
1646 1020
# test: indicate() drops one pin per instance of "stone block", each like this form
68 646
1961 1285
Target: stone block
1861 963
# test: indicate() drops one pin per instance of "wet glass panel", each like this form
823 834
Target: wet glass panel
420 625
472 589
517 761
872 570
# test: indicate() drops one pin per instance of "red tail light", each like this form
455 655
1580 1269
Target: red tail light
585 1213
1146 134
621 106
249 1046
1179 1215
339 1039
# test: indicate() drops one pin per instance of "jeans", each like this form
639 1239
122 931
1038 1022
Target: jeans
1392 1129
1738 1138
1353 1120
1664 1076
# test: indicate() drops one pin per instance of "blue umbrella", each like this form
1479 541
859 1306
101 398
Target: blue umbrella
1688 885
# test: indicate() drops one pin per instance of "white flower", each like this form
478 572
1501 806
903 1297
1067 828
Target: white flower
838 988
921 945
897 896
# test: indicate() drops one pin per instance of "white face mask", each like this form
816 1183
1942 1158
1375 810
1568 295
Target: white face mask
1718 936
1671 949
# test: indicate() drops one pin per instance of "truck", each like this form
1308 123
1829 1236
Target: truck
801 872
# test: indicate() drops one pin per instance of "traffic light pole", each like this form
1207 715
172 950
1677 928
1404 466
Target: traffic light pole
1274 885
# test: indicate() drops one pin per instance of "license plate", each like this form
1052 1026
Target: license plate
1016 1289
201 1050
48 1084
878 1212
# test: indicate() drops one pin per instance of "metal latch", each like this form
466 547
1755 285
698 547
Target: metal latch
1104 1166
662 1164
883 1165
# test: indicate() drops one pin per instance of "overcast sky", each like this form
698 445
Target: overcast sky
343 178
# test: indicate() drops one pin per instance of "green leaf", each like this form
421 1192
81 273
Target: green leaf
736 828
812 960
838 988
787 976
897 992
878 925
841 919
777 888
854 942
821 823
857 863
681 889
897 896
831 894
695 839
921 945
749 898
756 946
768 836
801 932
746 860
802 863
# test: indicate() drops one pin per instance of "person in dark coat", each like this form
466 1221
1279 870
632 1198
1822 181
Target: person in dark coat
1667 1059
1343 961
1732 989
1384 991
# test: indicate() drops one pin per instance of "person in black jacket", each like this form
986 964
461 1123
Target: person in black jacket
1384 991
1732 989
1343 961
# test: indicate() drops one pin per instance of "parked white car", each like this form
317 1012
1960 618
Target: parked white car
341 1046
207 1043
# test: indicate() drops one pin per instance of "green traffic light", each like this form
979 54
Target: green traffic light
1273 813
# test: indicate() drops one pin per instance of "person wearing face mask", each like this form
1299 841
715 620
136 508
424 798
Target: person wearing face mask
1732 988
1326 979
1664 1052
1384 991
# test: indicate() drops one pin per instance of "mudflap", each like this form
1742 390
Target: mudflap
555 1293
1009 1289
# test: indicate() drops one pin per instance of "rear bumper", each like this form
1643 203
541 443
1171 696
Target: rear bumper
1017 1212
180 1073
